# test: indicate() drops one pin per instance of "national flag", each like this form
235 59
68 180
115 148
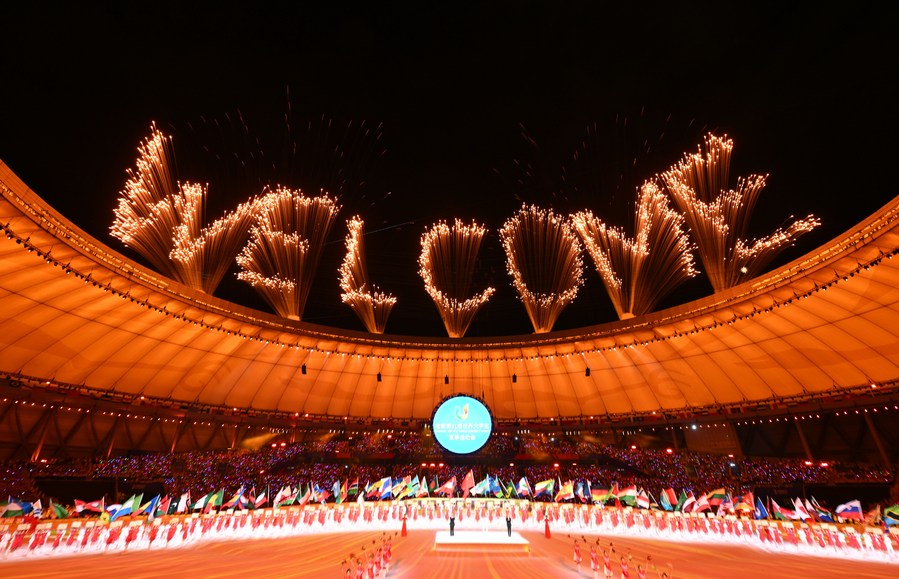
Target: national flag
667 499
344 492
760 512
399 487
373 490
510 490
127 507
715 497
201 503
781 513
800 511
613 492
386 488
821 513
580 491
94 506
164 505
701 504
58 511
745 502
432 486
599 495
496 488
283 496
446 488
467 484
183 503
545 486
566 491
642 499
12 508
524 489
149 508
307 496
234 500
214 501
726 506
353 489
319 495
851 511
628 495
686 501
891 515
37 509
481 488
423 488
261 499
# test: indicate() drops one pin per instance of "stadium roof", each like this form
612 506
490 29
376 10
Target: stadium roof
79 315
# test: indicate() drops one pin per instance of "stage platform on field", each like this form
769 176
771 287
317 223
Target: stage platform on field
482 541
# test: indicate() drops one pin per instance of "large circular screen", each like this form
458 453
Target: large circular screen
462 424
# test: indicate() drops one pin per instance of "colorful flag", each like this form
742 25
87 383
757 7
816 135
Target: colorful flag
344 492
94 506
642 499
386 488
781 513
821 513
215 500
685 501
183 503
599 495
233 501
37 509
423 488
545 486
510 490
760 511
447 488
164 506
745 503
851 511
353 489
566 491
467 484
701 504
800 511
524 489
628 495
58 511
479 489
12 509
715 497
496 488
668 499
127 507
891 515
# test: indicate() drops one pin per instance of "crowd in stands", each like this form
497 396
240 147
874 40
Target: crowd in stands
369 458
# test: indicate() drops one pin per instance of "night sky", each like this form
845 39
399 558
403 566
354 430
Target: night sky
452 111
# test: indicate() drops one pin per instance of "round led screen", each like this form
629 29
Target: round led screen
462 424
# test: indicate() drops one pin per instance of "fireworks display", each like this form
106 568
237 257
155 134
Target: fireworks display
718 217
162 220
543 257
286 240
638 272
372 307
447 264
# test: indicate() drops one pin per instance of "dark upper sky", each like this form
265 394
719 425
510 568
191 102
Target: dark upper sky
258 95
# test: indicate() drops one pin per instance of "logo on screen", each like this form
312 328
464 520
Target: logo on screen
462 424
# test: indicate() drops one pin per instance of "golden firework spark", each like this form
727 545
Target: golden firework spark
718 217
543 257
446 264
372 307
638 272
162 220
285 245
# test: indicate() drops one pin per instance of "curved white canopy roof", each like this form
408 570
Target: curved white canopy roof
82 316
